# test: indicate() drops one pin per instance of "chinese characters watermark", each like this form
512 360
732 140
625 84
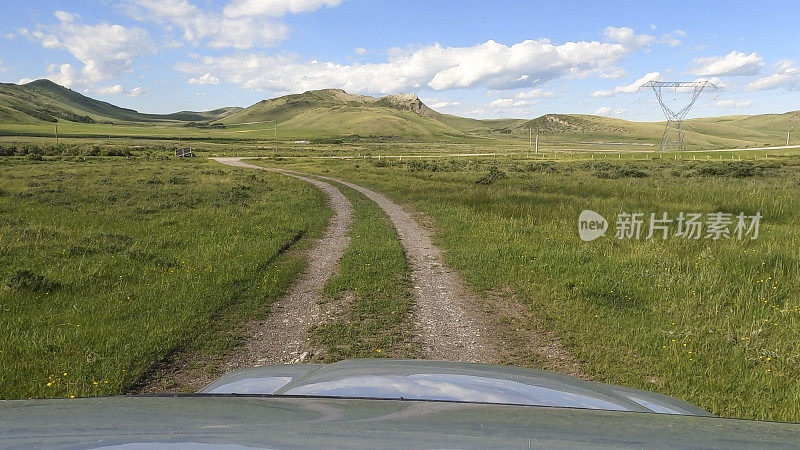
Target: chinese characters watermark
714 226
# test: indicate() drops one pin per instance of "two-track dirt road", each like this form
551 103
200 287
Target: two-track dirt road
449 324
452 323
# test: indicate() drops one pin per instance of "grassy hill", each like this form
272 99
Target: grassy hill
333 112
45 101
30 109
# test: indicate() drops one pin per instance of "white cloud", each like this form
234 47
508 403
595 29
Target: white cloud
106 50
733 64
509 103
206 78
115 89
64 74
209 27
24 80
670 40
535 93
275 8
628 38
137 91
361 51
444 104
786 76
201 94
606 111
734 103
629 88
241 24
2 69
679 33
491 65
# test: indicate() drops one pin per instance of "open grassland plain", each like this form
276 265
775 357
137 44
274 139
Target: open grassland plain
110 265
716 323
370 298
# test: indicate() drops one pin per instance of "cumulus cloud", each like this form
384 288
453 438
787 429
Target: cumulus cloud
490 64
361 51
115 89
606 111
241 24
733 64
276 8
628 88
105 50
734 103
628 38
63 74
137 91
206 78
210 27
787 76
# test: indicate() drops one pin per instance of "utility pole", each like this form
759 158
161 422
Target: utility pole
56 133
276 137
537 142
787 135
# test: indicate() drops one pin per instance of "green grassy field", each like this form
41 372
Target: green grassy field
111 264
714 323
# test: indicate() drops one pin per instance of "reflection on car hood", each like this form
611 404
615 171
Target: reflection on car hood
444 381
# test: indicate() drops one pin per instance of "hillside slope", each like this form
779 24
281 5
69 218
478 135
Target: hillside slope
329 113
333 112
43 100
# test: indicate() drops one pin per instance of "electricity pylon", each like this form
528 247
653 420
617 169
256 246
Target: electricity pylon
673 133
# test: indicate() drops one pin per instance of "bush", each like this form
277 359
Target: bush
494 174
738 169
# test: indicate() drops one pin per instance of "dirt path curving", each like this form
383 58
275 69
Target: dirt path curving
452 322
283 336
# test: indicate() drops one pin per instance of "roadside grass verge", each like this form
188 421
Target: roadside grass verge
714 323
371 289
108 266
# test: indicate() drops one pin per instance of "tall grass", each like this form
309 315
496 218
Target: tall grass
108 265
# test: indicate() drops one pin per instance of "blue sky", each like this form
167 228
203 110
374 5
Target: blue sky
478 59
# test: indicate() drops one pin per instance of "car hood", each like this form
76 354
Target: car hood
446 382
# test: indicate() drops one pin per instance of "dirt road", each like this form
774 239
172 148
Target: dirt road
452 323
282 337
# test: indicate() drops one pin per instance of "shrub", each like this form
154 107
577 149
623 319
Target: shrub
494 174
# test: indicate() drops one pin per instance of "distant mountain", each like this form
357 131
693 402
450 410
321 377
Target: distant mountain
329 113
43 100
332 112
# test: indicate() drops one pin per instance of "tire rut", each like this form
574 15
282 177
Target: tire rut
282 338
